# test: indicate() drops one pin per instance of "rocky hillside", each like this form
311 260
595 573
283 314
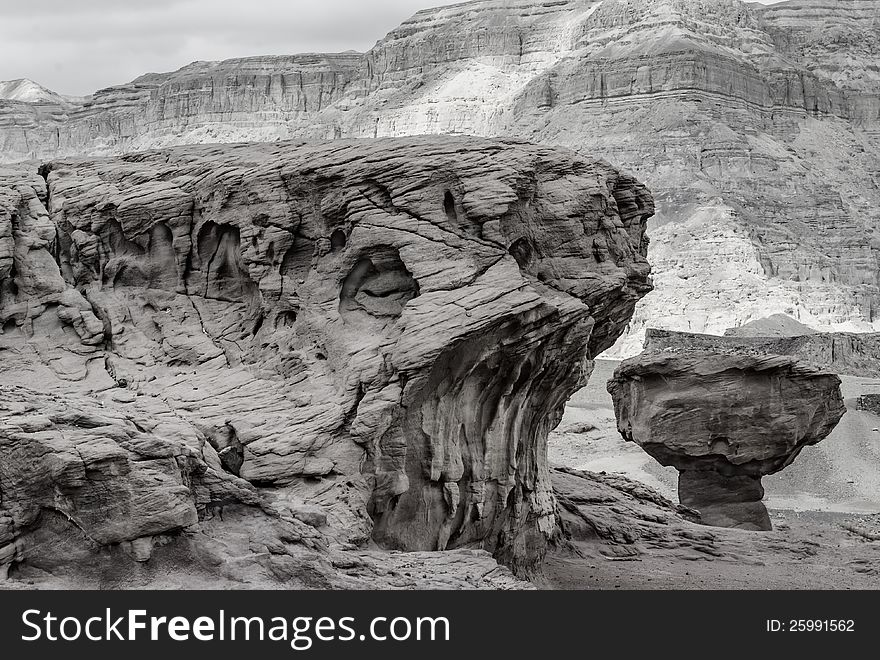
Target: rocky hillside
281 349
757 127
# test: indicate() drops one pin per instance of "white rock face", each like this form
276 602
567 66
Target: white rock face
756 127
708 278
27 91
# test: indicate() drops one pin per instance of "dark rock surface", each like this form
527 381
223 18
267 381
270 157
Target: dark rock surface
870 403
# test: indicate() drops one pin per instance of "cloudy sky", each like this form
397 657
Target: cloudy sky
79 46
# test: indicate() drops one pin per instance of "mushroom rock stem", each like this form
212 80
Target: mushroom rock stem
725 501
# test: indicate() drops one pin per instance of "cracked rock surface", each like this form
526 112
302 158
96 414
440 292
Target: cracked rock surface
757 128
270 362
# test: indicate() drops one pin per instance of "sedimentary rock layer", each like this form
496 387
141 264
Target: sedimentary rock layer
854 354
374 336
756 126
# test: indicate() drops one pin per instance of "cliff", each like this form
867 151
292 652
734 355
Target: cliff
757 127
301 347
257 98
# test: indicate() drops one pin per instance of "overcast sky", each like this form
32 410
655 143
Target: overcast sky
79 46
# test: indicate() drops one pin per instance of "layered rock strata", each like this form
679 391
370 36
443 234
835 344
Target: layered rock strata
854 354
756 127
354 341
724 420
111 490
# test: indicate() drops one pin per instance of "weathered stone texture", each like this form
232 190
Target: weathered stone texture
756 127
378 333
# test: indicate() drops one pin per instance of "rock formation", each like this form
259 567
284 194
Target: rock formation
620 534
757 127
854 354
724 420
274 353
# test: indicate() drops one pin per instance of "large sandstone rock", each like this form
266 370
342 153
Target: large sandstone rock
724 420
756 127
368 337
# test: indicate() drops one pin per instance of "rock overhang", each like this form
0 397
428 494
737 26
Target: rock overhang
389 327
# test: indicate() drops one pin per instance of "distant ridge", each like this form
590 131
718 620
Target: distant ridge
775 325
28 91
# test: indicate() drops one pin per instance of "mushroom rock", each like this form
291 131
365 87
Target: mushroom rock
376 334
724 420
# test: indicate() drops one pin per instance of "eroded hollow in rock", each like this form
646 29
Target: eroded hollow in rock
162 266
220 272
449 207
124 258
379 284
456 215
229 448
521 250
9 286
337 240
130 265
297 260
285 319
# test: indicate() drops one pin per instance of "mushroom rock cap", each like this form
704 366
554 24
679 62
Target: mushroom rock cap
732 413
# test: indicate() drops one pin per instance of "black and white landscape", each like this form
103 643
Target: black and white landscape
567 294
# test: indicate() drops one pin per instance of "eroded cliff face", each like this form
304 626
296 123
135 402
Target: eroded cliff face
367 338
757 127
763 166
255 98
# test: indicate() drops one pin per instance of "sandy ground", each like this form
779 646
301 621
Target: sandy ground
807 550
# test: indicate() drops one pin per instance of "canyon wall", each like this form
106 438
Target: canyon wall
355 341
756 127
